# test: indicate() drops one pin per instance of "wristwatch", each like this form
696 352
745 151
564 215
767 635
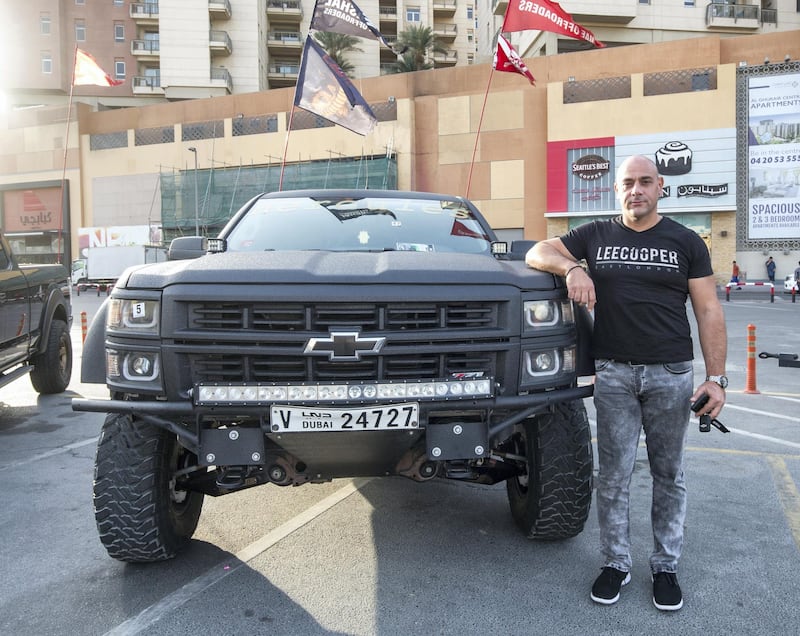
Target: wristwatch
722 380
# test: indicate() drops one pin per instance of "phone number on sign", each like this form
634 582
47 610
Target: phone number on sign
775 159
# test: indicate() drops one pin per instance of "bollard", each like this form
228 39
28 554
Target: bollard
750 379
83 326
772 293
728 293
794 293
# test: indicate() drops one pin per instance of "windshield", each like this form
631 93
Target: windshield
368 224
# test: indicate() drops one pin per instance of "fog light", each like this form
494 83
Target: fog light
141 365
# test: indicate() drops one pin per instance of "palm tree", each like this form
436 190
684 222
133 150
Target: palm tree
417 42
337 45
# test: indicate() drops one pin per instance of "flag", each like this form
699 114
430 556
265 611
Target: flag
343 16
508 60
87 72
324 89
543 15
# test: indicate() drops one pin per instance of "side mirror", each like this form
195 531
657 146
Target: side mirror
186 247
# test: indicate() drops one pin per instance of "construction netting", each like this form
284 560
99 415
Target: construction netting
220 192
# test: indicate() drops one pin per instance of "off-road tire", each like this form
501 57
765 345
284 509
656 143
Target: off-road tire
552 501
52 369
141 514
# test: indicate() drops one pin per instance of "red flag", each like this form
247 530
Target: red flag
87 72
508 60
543 15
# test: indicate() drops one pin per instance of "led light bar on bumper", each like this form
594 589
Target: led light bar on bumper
217 394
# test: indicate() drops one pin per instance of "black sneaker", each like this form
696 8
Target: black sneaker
606 588
666 591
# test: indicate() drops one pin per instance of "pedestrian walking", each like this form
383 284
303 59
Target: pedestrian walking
641 267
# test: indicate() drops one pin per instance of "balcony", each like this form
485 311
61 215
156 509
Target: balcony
284 10
444 8
282 74
220 42
448 58
499 7
387 14
445 31
144 13
219 9
145 49
282 42
147 85
221 77
737 17
606 12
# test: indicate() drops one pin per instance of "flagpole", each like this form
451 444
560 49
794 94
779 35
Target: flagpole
286 148
66 148
478 133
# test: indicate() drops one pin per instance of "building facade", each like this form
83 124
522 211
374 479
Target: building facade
166 50
626 22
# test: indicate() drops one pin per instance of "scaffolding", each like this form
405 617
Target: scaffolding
222 191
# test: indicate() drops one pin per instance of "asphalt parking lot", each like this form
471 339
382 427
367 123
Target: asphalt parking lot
390 556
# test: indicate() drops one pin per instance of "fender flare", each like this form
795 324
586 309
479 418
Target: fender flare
56 308
93 358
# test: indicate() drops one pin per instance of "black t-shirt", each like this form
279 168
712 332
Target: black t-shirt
642 281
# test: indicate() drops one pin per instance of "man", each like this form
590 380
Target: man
641 267
771 265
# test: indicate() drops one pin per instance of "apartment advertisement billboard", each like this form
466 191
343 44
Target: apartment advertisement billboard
773 156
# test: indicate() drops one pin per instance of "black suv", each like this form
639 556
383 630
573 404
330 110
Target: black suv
337 333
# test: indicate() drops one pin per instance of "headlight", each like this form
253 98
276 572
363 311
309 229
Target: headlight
136 316
537 314
133 366
547 365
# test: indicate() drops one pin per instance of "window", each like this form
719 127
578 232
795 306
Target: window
80 30
119 32
119 3
412 14
119 69
47 62
470 11
644 1
44 24
688 3
80 2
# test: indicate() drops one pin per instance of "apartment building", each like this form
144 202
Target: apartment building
624 22
167 50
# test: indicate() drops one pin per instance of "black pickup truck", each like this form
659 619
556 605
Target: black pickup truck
328 334
35 319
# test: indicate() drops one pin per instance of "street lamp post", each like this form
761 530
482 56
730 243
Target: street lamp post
193 150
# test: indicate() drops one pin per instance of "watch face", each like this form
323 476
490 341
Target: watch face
719 379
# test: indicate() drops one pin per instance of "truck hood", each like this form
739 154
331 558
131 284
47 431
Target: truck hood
330 268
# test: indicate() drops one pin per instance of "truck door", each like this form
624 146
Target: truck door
14 310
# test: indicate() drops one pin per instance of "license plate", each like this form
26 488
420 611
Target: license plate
304 419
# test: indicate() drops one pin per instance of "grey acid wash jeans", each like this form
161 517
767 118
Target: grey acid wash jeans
630 398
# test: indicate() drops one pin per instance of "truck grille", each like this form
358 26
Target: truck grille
230 341
287 317
243 368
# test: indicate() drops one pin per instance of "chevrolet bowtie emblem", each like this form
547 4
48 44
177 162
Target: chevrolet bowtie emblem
344 346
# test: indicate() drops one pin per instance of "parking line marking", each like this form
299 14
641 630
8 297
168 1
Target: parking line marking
50 453
788 495
150 615
770 414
